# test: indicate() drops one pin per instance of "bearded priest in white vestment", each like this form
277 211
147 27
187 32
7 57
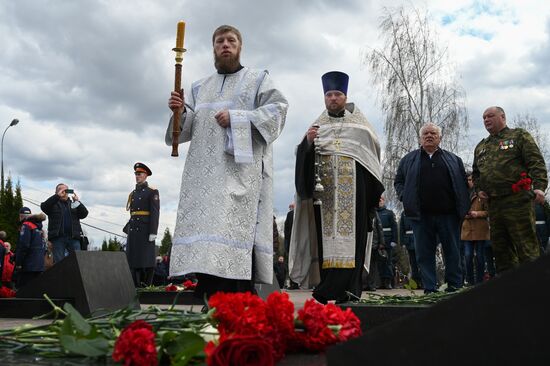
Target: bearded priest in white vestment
224 221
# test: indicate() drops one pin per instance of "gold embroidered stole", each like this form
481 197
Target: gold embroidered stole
338 211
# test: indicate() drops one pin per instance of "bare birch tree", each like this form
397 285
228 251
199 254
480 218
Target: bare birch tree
531 124
415 85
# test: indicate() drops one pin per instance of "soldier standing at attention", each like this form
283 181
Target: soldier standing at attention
144 206
510 172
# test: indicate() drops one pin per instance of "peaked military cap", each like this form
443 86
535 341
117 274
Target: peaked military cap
140 167
335 80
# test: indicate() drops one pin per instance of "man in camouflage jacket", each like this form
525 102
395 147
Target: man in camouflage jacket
510 172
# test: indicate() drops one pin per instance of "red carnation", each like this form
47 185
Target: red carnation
189 285
280 313
325 325
524 184
351 325
136 345
171 288
239 313
240 351
6 292
245 314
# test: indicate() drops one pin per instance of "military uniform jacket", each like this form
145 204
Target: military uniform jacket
500 159
144 207
389 224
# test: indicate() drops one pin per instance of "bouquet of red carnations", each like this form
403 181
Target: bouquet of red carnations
264 331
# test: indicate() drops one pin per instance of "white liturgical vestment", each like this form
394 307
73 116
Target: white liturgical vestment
225 212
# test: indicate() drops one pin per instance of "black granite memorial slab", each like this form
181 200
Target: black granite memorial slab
95 281
501 322
372 316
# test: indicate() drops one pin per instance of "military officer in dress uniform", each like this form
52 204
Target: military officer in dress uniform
144 206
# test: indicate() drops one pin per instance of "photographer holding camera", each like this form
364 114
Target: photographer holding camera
64 211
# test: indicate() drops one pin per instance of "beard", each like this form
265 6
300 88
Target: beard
226 65
335 108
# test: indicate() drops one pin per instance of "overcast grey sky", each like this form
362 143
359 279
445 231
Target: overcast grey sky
89 80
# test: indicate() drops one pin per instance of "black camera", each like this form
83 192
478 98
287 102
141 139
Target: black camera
69 191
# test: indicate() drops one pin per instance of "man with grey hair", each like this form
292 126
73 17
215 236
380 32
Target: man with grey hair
224 223
431 183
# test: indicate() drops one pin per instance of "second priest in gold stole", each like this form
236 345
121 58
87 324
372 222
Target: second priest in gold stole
350 174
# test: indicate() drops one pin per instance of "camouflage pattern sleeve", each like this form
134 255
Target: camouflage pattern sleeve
534 161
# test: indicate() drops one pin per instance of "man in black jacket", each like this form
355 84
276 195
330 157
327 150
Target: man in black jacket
64 211
431 183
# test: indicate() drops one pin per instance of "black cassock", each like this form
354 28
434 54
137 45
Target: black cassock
144 205
336 281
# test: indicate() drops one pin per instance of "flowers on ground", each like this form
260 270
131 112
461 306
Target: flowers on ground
136 345
171 288
242 316
239 351
187 285
240 329
6 292
325 325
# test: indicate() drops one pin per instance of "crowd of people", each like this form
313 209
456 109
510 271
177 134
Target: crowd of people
487 216
340 238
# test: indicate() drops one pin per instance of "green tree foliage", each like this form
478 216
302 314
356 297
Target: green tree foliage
112 245
10 204
166 243
104 245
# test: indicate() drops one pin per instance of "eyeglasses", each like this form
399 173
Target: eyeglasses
138 173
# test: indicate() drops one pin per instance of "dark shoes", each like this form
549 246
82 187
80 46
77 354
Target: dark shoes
319 298
342 301
293 286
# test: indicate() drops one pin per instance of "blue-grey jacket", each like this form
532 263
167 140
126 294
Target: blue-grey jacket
30 250
407 181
